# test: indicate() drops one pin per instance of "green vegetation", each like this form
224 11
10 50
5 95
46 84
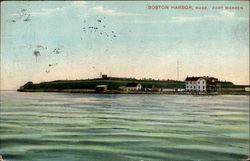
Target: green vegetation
225 84
113 83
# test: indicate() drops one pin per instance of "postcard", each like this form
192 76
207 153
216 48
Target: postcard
124 80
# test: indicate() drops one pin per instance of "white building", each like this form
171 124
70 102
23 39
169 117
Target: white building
133 87
201 84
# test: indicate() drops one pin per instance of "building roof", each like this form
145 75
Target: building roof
192 78
212 79
132 84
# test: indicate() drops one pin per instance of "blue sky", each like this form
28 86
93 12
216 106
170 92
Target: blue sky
131 41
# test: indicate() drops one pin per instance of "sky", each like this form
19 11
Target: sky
58 40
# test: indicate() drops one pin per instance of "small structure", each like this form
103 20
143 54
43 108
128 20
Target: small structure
156 89
147 89
201 84
101 88
168 89
180 89
104 76
133 87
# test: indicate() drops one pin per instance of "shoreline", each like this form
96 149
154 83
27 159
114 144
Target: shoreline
133 92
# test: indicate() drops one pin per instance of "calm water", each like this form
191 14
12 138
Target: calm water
76 127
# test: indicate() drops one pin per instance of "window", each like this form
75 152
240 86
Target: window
203 87
199 87
198 82
203 82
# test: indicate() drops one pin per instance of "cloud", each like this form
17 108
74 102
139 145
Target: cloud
223 15
96 10
45 12
102 10
51 11
79 3
185 19
110 12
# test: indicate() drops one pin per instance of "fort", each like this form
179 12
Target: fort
114 85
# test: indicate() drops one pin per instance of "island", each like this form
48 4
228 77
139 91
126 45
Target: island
116 85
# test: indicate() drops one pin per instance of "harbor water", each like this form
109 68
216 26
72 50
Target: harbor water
120 127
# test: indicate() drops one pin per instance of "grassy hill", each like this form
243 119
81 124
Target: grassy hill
224 84
113 83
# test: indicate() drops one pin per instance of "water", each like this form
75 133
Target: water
87 127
